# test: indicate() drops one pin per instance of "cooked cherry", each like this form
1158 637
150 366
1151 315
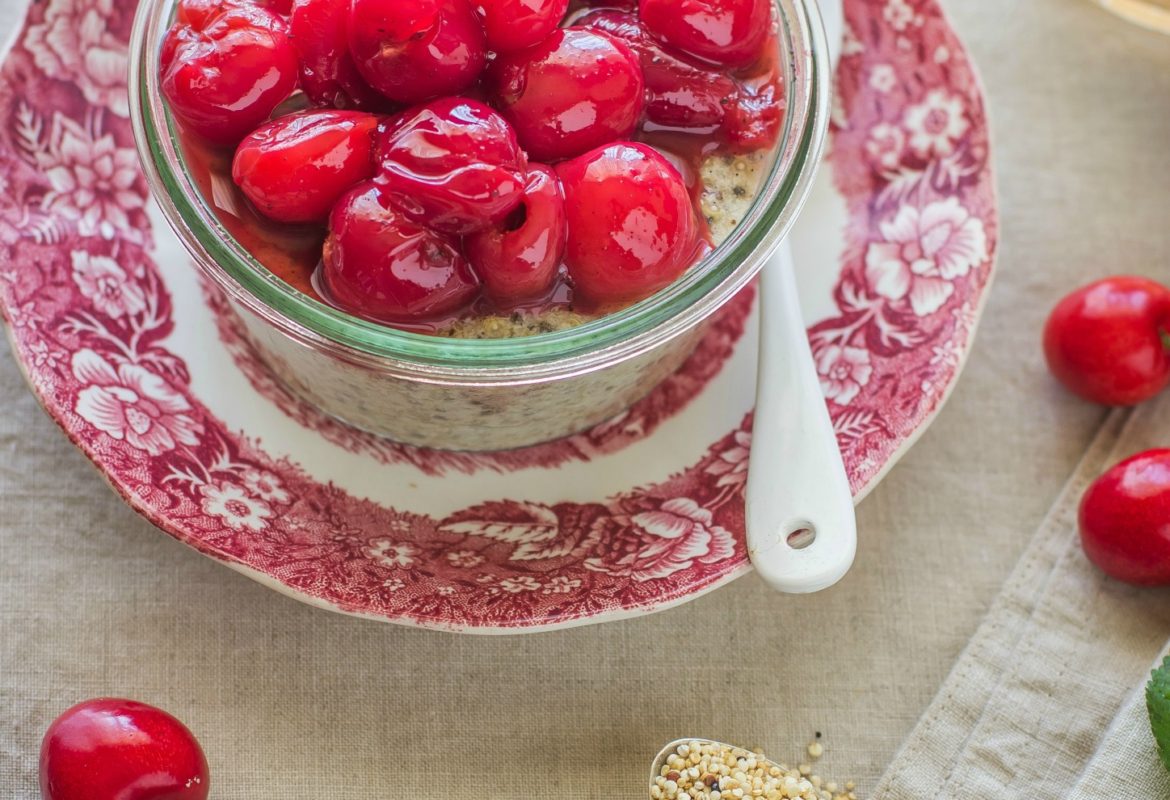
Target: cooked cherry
413 50
753 120
519 258
683 96
199 13
453 165
224 74
678 93
726 32
380 265
577 90
619 5
328 74
632 228
516 24
295 168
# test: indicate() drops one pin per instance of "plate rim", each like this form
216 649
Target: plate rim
139 505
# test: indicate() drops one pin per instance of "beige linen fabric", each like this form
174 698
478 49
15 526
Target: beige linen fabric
1031 701
1126 763
292 702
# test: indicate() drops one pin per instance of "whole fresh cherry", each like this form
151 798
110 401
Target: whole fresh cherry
1125 520
225 73
111 749
632 228
1107 341
577 90
413 50
380 265
295 168
453 165
516 24
519 259
329 76
730 33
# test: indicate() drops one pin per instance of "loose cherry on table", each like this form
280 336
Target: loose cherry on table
329 76
517 24
632 227
415 50
1125 520
519 259
577 90
382 266
111 749
1107 341
295 168
248 50
453 165
730 33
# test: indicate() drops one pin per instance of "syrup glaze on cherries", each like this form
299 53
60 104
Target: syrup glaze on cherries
500 263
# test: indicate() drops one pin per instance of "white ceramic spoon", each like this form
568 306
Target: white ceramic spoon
801 526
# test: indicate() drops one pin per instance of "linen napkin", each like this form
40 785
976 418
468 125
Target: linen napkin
1031 707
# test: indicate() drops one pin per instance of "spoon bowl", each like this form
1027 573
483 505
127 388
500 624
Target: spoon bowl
757 775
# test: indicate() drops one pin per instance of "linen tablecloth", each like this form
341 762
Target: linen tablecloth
292 702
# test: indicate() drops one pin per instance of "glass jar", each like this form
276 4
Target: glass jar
482 394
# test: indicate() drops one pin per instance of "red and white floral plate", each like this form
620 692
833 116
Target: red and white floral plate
137 363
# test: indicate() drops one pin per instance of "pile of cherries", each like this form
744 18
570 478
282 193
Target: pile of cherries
1109 342
454 150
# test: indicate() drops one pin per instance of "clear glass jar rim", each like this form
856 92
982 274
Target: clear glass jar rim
617 336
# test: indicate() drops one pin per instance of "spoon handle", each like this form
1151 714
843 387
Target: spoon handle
801 526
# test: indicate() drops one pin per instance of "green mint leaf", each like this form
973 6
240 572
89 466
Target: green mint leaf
1158 704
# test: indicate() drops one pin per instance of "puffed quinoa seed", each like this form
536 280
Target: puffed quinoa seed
708 771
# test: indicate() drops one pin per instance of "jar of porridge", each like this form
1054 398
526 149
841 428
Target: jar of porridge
487 394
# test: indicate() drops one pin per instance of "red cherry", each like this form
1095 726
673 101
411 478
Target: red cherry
453 165
380 265
678 93
328 73
577 90
753 120
517 24
111 749
225 77
1125 520
1107 341
730 33
683 96
519 259
413 50
199 13
632 227
295 168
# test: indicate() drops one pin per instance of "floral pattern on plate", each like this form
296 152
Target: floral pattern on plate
91 319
